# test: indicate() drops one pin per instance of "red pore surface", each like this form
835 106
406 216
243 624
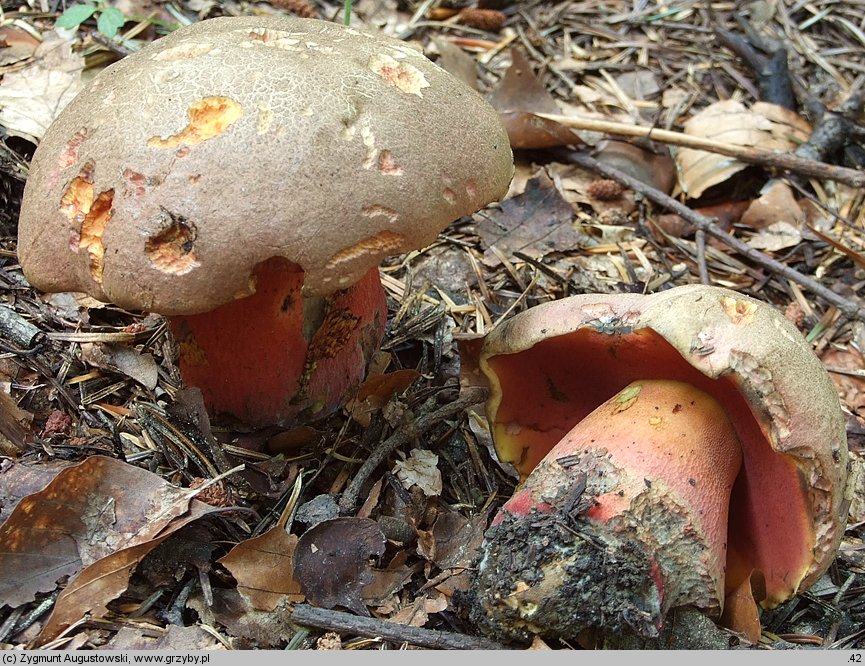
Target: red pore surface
543 397
276 357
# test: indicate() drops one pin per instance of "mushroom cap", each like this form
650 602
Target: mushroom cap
234 140
551 365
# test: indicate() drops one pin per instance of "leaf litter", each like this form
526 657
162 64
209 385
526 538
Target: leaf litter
103 386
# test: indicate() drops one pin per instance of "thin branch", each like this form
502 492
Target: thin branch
849 308
783 161
339 621
401 437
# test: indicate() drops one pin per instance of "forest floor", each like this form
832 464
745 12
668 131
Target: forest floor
92 407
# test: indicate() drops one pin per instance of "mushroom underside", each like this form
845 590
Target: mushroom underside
541 398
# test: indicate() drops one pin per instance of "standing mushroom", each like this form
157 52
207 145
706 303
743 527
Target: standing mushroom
245 176
682 449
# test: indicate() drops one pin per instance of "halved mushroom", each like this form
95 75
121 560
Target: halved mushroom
676 448
270 156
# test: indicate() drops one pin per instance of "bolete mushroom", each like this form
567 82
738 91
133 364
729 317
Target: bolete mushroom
245 177
678 450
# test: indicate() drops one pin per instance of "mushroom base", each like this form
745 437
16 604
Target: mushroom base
624 520
557 575
278 357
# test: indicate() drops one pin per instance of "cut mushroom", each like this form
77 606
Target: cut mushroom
675 449
270 156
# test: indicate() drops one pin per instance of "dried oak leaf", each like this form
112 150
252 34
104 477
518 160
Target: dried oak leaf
518 98
264 570
536 222
452 544
332 562
763 126
18 480
98 518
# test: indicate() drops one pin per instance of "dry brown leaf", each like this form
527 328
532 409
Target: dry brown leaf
250 628
518 97
30 99
377 390
536 222
12 425
87 513
740 607
416 614
657 170
264 570
763 126
120 358
454 540
776 203
176 638
843 366
331 561
17 44
776 237
107 578
457 62
18 480
386 583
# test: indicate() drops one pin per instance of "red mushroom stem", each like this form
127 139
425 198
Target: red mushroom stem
278 356
649 475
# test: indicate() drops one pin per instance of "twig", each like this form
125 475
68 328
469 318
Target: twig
431 639
348 501
783 161
15 328
846 306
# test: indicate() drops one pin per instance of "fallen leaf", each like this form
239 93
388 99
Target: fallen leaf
331 561
776 237
88 512
763 126
251 628
518 97
846 369
740 608
17 45
377 391
389 581
175 638
655 169
452 545
31 98
263 567
18 480
123 359
416 614
457 62
776 203
420 470
641 84
536 222
12 424
107 578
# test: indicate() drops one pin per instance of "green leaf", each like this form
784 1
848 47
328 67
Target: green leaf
75 16
110 21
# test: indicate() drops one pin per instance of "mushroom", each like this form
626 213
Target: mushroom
684 449
245 177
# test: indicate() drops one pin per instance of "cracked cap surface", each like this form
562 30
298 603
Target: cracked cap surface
180 168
